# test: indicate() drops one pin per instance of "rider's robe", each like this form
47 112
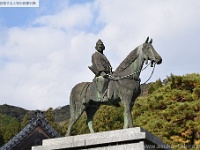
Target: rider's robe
100 64
100 67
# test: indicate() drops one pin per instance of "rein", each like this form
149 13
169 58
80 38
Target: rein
137 72
151 74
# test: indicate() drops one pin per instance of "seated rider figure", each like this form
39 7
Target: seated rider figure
102 69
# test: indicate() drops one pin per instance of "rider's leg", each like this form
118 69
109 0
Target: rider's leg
100 87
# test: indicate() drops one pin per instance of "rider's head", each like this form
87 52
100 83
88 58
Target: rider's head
99 46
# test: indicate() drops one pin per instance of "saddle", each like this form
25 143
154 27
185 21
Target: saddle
106 92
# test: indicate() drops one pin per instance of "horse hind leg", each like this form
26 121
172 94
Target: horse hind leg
75 113
90 111
71 123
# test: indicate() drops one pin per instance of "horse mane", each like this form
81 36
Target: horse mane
132 56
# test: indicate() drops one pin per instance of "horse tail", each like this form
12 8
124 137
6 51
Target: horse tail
72 105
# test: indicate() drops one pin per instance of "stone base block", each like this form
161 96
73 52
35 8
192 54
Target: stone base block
124 139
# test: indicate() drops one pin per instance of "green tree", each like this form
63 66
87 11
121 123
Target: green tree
80 127
49 115
24 121
155 86
174 109
9 127
51 119
108 118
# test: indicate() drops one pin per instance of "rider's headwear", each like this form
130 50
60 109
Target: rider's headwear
99 42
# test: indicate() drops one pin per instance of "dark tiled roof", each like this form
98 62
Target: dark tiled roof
38 120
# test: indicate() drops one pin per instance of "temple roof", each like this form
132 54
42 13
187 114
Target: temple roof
37 129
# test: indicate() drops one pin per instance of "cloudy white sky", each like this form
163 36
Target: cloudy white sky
45 51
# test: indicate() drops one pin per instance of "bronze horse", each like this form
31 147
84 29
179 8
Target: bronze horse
126 89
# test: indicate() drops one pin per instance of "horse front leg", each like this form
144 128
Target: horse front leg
128 121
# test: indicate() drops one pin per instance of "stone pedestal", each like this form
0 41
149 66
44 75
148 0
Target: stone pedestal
124 139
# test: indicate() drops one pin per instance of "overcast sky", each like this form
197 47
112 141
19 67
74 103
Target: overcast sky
46 51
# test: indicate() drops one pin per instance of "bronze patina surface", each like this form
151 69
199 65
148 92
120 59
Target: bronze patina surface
123 84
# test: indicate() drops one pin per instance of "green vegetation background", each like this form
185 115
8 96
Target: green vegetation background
170 110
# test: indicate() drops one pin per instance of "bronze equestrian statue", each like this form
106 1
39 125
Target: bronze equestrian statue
123 85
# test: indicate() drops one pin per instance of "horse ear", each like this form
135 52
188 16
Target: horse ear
151 41
147 40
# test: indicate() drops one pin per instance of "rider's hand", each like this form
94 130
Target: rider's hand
106 75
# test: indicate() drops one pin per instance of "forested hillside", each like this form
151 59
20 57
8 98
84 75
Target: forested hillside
13 111
170 110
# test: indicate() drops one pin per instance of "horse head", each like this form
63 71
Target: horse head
135 59
150 53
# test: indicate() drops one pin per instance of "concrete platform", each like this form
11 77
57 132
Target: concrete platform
124 139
